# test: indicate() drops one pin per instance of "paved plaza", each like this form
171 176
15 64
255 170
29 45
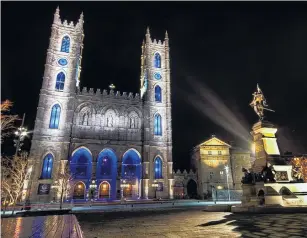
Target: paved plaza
192 223
175 222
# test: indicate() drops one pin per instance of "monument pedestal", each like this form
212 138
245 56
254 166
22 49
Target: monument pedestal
282 192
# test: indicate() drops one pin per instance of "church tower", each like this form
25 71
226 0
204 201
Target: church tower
156 95
52 131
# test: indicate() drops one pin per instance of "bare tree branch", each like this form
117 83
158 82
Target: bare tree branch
13 175
7 120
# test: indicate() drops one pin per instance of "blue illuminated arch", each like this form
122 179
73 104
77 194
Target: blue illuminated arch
81 164
158 168
60 81
131 165
158 125
55 117
157 60
65 44
158 94
47 167
107 169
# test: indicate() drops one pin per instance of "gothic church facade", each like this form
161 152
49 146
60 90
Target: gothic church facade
115 144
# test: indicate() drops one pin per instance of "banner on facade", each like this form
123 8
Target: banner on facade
43 189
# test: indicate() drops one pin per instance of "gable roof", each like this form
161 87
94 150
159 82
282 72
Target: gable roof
214 141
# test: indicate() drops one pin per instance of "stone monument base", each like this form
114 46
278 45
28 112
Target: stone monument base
274 194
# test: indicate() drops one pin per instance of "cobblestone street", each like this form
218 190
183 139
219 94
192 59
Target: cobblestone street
191 223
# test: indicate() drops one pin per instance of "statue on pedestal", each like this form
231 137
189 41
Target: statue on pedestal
259 103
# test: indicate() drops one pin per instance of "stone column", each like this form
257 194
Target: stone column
171 188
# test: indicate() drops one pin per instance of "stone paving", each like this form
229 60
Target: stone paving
171 223
191 223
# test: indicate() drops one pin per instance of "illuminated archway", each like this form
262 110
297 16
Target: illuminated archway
79 191
107 169
131 173
104 190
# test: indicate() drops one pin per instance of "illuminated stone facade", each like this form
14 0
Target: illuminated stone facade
107 138
210 159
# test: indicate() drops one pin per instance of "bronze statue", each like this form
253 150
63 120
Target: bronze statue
298 173
259 103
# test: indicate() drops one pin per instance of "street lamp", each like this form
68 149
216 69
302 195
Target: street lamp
227 173
20 133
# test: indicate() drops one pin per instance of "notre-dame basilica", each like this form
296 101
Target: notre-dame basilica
114 144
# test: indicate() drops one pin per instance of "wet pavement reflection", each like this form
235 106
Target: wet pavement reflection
41 226
188 222
192 223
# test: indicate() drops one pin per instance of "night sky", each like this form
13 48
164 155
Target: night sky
226 47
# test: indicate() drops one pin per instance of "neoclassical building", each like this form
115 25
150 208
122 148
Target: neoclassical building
115 144
219 166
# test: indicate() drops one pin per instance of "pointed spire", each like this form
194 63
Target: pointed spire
57 11
166 35
56 18
148 35
80 22
81 16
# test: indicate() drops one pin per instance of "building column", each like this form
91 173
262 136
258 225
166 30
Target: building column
145 188
171 188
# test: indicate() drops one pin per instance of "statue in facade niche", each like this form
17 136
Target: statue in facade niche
259 103
85 119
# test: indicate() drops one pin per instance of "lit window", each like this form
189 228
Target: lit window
60 81
55 117
221 172
47 167
158 168
158 96
220 152
157 60
65 44
158 125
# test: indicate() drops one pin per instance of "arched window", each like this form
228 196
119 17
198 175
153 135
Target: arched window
157 60
81 163
47 167
158 168
158 125
55 117
60 81
158 96
65 44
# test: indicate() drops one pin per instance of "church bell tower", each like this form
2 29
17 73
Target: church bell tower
156 94
51 136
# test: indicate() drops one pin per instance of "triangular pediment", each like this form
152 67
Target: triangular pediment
214 141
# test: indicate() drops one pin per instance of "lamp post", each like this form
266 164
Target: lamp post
20 133
93 187
213 189
227 173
